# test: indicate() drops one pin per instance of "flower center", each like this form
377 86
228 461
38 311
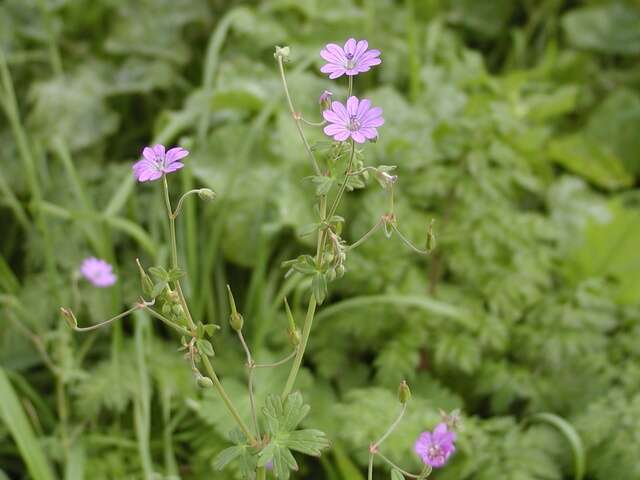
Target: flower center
354 123
350 61
159 162
436 453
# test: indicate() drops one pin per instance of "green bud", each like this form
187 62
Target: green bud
235 319
282 52
177 310
294 337
70 318
206 194
173 296
166 309
404 393
204 382
145 280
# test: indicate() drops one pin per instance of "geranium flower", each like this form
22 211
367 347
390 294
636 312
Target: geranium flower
156 162
98 272
357 120
352 59
436 448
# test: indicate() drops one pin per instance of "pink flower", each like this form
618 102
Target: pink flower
357 120
98 272
436 448
353 59
155 162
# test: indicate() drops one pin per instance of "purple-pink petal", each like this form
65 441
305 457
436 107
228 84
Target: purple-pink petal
356 120
350 59
156 161
175 153
98 272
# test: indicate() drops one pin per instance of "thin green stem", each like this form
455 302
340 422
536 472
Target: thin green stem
278 363
251 367
174 250
391 428
176 212
297 117
261 473
350 90
373 449
336 201
297 361
401 470
364 238
71 319
166 321
227 401
408 242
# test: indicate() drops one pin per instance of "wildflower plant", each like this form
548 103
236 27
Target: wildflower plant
266 440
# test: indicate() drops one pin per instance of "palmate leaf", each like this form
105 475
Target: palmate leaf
282 419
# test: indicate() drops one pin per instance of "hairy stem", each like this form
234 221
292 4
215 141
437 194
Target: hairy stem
373 449
297 117
227 401
174 250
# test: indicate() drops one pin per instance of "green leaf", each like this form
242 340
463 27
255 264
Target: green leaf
610 249
205 347
282 419
175 274
323 183
309 441
160 273
589 159
158 288
14 418
613 28
227 455
319 287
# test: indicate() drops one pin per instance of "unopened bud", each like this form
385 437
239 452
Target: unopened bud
282 52
206 194
325 100
145 280
404 393
235 319
294 337
173 296
166 309
69 317
204 382
431 238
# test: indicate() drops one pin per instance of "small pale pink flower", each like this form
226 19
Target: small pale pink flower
357 120
352 59
156 162
436 447
98 272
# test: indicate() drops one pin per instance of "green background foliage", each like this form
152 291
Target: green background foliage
513 123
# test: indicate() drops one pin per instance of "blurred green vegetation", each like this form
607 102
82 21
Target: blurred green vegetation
514 123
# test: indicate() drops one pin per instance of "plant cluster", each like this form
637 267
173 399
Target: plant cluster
512 125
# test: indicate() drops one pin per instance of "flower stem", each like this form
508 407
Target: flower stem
251 365
174 250
261 473
373 449
336 201
297 118
227 401
404 472
366 235
297 361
